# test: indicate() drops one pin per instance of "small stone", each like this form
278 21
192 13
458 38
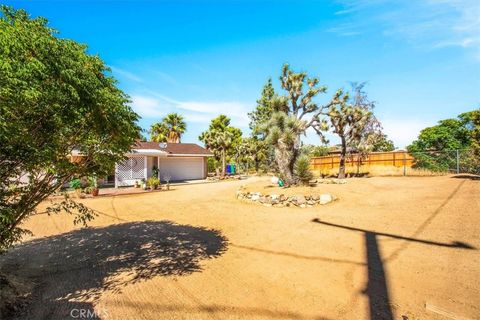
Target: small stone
315 197
274 196
255 197
300 199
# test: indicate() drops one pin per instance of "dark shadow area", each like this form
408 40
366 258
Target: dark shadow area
83 263
466 176
453 244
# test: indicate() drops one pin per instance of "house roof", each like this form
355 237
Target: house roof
173 148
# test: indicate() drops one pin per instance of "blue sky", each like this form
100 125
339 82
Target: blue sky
421 59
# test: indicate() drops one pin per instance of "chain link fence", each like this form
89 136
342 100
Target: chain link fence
400 163
447 161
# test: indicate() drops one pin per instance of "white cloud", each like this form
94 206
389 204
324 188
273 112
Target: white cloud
125 74
403 131
157 106
428 23
147 107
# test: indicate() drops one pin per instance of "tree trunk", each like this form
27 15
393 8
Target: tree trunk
284 159
343 154
223 163
257 164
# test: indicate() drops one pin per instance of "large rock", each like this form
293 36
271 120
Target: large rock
255 196
325 198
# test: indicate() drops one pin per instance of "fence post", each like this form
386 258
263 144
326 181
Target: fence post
458 162
404 163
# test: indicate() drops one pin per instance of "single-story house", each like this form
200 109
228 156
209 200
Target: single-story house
172 161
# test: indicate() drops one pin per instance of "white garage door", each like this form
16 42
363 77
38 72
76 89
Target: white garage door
181 168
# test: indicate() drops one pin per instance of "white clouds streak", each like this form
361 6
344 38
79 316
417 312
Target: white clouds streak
427 23
157 106
125 74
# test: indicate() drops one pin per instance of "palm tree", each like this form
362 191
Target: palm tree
159 132
176 127
170 129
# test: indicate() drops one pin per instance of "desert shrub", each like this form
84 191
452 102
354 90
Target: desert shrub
302 169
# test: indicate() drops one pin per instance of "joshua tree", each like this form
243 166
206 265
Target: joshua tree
353 121
221 138
292 115
219 142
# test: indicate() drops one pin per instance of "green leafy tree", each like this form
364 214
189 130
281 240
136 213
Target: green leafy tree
436 146
222 139
252 150
258 117
382 143
170 129
475 118
262 112
55 99
292 115
311 150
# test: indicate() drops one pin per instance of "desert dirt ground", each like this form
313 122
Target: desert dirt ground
389 248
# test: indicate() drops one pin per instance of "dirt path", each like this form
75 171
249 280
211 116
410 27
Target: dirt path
387 248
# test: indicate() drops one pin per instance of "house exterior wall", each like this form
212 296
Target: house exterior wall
136 168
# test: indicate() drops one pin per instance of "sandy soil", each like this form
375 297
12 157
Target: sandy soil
399 247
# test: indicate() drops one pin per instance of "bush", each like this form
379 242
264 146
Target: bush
153 182
76 184
302 169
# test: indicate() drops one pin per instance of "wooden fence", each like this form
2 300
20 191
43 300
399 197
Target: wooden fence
382 162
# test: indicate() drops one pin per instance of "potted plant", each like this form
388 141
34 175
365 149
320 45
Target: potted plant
137 185
155 172
92 184
76 184
153 183
144 184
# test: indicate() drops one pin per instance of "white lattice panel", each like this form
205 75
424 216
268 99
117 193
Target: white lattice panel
130 170
138 168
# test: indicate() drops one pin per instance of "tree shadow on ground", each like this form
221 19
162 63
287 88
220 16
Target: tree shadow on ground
74 268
